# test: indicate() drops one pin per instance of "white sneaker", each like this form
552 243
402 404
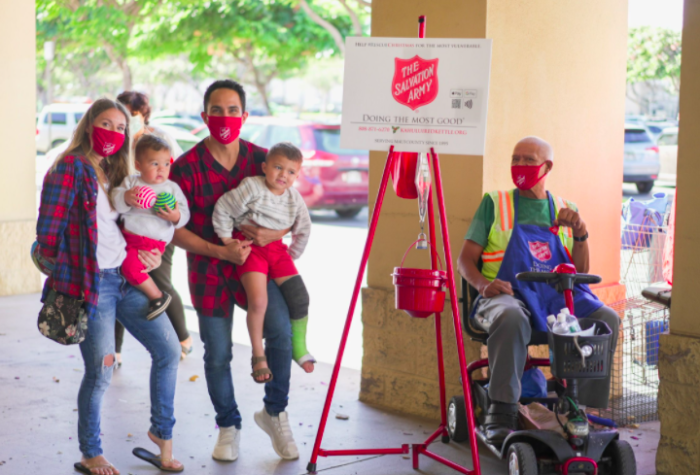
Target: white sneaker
226 449
280 433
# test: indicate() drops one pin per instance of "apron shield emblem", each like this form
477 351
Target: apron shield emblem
540 250
415 82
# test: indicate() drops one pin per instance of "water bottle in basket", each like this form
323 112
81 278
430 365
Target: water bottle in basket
565 323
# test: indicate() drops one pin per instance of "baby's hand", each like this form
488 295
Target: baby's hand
172 215
226 240
130 197
308 366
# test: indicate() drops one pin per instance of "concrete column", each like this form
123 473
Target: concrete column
558 71
17 130
679 359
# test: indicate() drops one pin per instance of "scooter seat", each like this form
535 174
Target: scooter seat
660 293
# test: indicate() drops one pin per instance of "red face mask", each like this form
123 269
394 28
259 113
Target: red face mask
105 142
525 177
225 129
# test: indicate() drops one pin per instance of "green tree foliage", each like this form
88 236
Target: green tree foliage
654 54
325 12
263 39
102 29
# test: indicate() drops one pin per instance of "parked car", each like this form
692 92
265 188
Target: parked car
184 139
63 119
202 132
641 164
655 128
185 123
332 177
668 151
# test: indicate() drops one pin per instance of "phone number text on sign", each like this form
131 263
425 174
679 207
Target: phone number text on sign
416 94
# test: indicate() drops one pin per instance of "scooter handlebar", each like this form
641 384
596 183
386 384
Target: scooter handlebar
544 277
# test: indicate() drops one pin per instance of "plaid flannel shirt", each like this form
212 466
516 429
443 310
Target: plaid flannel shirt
214 284
58 230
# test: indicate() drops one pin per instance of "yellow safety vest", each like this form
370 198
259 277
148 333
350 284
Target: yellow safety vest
502 229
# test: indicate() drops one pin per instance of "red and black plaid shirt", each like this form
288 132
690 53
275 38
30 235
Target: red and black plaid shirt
71 184
213 282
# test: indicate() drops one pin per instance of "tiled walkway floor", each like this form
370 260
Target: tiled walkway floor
39 383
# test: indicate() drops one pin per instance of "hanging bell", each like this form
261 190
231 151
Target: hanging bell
422 242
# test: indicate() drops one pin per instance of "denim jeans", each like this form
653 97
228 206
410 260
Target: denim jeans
119 300
218 353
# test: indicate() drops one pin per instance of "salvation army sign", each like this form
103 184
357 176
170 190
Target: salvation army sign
415 81
416 94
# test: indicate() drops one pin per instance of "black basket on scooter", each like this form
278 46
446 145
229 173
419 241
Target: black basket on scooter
566 359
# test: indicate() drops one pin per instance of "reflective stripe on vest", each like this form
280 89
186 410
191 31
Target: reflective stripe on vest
502 229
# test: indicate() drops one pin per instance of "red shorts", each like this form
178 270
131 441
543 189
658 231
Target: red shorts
132 266
272 260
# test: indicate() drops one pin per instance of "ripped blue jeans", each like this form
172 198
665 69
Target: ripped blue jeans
119 300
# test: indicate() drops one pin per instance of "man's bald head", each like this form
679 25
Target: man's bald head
532 151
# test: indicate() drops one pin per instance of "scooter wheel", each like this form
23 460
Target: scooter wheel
622 455
457 425
521 459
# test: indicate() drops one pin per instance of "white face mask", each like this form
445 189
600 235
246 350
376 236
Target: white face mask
135 125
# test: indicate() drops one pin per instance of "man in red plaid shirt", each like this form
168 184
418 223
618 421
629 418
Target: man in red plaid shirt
214 166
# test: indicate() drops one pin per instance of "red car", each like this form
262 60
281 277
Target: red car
332 177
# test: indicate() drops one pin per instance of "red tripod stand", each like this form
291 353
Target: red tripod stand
421 448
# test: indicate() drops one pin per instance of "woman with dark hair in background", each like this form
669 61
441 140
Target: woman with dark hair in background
138 105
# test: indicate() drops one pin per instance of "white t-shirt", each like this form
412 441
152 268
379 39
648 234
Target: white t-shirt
111 246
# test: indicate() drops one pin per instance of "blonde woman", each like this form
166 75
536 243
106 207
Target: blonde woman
75 201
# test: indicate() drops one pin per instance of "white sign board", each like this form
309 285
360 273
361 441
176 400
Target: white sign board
416 94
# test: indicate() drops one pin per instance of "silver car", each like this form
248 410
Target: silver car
641 158
668 150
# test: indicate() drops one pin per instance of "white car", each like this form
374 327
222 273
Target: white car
668 151
56 123
184 140
641 163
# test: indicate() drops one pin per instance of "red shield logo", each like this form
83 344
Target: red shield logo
225 133
108 148
415 82
540 251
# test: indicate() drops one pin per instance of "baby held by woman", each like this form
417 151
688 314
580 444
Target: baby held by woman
152 207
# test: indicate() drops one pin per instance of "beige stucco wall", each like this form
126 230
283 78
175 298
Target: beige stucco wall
558 71
679 360
17 131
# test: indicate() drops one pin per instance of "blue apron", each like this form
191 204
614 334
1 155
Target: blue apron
537 249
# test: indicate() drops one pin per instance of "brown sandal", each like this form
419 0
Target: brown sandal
260 372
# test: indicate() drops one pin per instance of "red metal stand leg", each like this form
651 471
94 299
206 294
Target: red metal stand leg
438 325
356 292
455 311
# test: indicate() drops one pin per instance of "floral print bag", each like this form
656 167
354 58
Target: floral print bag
63 318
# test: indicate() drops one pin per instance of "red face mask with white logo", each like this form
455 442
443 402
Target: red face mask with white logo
225 129
106 142
525 177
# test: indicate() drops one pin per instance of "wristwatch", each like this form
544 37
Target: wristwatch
582 238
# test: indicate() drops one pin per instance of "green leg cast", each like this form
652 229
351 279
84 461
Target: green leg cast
299 351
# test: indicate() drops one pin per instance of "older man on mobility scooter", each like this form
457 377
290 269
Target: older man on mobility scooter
523 230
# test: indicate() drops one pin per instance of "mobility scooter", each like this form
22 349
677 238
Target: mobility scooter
583 449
